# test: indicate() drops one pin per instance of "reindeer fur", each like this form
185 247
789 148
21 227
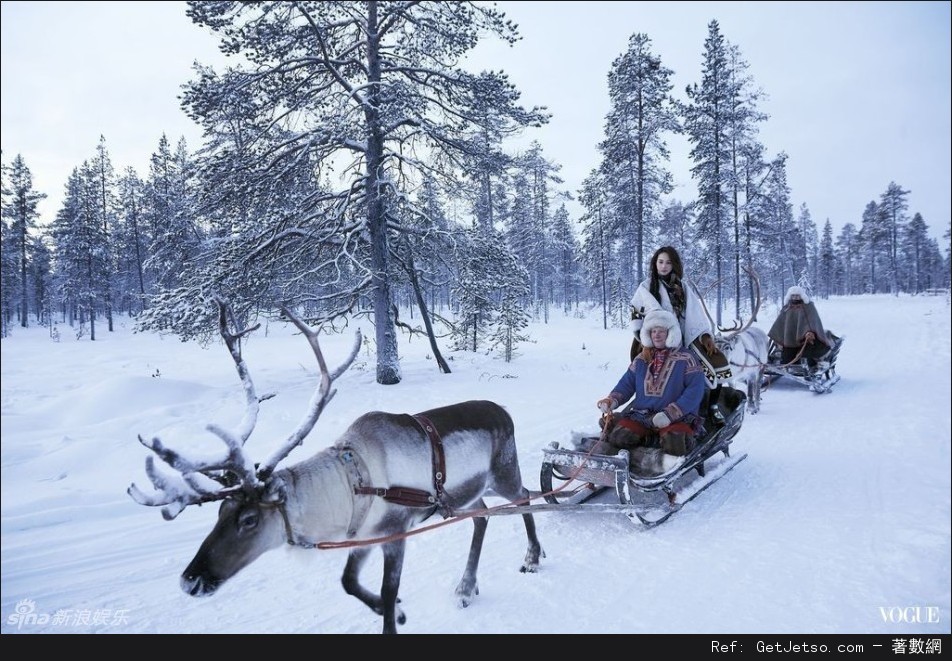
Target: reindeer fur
313 501
746 353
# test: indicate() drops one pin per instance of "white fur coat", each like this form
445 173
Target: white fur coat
695 322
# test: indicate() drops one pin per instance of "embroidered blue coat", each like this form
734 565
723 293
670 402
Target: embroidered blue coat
677 389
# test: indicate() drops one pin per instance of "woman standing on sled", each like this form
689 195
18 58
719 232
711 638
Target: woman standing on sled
667 289
668 386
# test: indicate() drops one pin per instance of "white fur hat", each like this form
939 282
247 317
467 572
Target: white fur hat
796 291
664 318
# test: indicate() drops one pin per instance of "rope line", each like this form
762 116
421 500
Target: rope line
469 514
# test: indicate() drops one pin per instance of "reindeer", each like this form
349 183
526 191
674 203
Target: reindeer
746 349
383 476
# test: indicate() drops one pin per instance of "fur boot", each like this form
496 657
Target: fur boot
677 443
647 461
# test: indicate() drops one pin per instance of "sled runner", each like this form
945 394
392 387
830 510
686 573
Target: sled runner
820 378
576 479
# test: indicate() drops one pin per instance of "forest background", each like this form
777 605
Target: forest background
375 177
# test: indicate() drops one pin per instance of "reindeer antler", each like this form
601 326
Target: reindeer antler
234 348
198 482
738 326
700 297
216 478
737 329
321 396
202 481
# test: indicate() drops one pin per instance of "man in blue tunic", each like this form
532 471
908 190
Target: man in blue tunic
668 385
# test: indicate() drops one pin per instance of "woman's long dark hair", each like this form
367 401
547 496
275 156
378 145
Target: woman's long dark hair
677 268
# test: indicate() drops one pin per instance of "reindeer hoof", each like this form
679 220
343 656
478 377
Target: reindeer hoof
531 563
466 594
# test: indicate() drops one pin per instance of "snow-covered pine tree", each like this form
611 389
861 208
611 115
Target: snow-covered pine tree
707 119
20 214
82 270
373 96
746 164
894 205
634 151
177 237
130 241
106 214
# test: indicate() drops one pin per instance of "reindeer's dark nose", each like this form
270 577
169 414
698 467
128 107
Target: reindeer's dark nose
198 586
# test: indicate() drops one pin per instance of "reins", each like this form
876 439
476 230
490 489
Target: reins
726 350
469 514
793 361
796 358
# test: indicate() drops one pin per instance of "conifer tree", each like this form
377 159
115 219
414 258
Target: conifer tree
634 151
131 242
893 205
826 264
847 251
20 214
707 122
915 246
176 237
81 264
372 96
106 210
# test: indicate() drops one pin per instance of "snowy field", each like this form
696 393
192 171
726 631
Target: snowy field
840 514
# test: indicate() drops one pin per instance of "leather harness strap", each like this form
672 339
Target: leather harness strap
356 469
411 497
439 457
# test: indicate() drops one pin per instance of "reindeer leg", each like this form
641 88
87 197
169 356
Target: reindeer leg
755 390
534 551
468 588
510 487
392 569
351 582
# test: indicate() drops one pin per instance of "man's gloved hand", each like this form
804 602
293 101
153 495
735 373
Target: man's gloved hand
605 405
708 343
809 337
660 420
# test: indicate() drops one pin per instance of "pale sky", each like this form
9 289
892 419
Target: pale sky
858 93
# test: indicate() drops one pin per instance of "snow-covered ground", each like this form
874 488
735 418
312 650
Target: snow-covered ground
837 522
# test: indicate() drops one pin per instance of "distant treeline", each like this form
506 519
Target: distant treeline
350 166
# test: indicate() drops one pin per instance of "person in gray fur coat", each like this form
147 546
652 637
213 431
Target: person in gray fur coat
798 330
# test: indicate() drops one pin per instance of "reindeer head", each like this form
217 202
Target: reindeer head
249 520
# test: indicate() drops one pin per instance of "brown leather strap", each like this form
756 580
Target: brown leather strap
356 469
400 495
409 496
439 458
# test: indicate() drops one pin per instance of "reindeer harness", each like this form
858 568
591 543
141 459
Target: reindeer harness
356 471
406 496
